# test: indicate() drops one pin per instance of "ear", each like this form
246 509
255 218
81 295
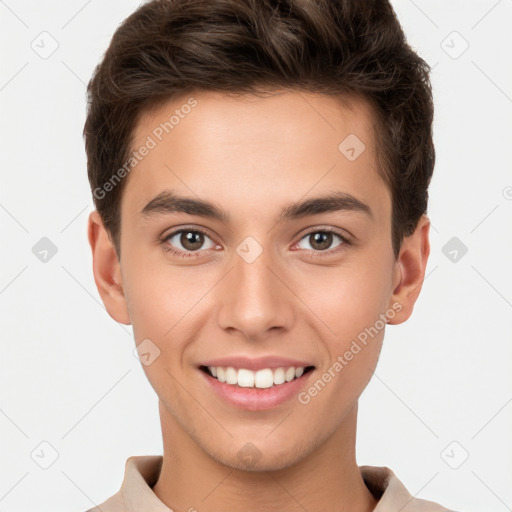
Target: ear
409 271
107 270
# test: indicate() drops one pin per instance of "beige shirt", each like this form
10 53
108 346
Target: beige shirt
141 474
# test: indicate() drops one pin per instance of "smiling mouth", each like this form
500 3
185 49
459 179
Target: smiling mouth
260 379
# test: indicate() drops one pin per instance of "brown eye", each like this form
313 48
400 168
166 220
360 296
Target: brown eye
191 240
186 241
322 240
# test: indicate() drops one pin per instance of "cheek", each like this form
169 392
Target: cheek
160 297
347 299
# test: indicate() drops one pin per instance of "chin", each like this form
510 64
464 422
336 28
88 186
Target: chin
253 459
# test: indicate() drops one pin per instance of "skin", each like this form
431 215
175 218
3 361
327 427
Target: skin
252 157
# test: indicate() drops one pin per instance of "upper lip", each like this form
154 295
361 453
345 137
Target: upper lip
256 363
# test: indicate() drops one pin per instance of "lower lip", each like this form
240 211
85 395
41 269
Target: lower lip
255 399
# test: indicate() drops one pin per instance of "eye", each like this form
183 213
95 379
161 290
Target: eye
321 240
186 243
190 240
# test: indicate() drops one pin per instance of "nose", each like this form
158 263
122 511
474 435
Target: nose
254 298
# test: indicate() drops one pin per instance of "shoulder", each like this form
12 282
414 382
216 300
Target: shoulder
113 504
141 473
392 493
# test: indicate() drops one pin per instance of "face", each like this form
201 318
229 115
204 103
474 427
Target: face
256 236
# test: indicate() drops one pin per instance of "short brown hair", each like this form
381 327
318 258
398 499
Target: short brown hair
336 47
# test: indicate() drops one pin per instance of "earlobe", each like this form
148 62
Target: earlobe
107 270
409 271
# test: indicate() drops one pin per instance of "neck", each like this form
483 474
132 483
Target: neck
325 480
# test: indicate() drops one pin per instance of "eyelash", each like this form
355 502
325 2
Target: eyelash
194 254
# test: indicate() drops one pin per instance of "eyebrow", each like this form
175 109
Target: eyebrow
169 202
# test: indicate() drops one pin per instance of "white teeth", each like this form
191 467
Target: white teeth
290 374
245 378
265 378
231 375
279 376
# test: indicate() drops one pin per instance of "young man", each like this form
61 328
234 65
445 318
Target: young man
260 172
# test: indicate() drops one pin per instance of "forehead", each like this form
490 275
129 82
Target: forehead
289 115
247 150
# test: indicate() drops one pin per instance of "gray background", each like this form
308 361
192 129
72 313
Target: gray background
74 398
